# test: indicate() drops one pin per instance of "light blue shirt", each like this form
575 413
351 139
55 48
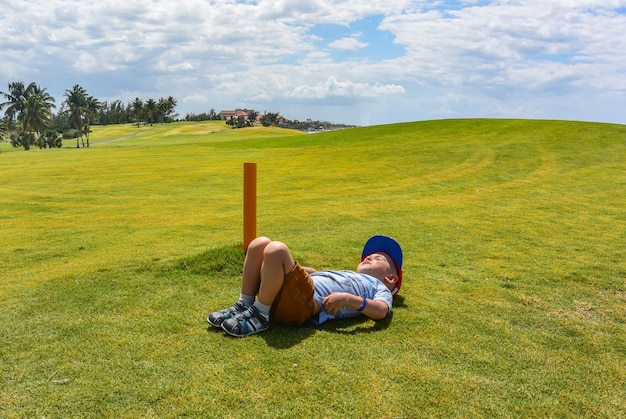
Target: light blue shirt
363 285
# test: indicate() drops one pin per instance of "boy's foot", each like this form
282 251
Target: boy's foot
247 323
217 318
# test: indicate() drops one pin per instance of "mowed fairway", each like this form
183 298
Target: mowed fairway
514 295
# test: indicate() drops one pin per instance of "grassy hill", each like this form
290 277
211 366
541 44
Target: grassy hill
513 303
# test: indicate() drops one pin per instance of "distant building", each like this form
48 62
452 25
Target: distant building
227 114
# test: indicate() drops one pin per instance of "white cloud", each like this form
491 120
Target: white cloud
351 43
474 58
484 46
197 99
332 87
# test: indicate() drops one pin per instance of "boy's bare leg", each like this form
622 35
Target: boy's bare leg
277 262
251 278
266 264
264 269
250 282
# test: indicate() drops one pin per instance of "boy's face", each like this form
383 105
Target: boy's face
378 265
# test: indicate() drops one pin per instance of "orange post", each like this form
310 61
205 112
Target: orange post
249 203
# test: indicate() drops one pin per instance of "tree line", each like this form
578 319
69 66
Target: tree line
29 118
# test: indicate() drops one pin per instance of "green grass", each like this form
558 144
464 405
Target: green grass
513 303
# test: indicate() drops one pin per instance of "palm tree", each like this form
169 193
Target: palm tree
15 99
35 117
166 107
151 109
137 109
91 109
4 128
171 106
34 89
76 101
31 106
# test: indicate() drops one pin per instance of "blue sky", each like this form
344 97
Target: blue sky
346 61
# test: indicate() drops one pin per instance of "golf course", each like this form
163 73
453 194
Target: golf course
513 301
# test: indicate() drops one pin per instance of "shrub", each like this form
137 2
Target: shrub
70 134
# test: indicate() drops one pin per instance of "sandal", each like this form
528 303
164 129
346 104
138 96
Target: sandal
217 318
247 323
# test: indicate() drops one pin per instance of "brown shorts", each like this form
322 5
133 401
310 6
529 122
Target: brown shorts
294 303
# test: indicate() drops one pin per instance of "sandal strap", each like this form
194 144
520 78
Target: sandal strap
249 322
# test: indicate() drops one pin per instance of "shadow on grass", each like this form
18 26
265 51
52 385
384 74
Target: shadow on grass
225 261
284 337
398 302
356 325
277 336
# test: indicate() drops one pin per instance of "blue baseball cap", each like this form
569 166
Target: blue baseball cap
389 246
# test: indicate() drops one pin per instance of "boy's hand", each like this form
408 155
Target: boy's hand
374 309
333 302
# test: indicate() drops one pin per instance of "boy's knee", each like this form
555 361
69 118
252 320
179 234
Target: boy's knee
275 249
258 244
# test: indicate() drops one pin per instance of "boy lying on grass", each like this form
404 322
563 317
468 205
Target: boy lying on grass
288 293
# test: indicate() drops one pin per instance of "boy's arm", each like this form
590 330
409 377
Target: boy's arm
374 309
309 270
